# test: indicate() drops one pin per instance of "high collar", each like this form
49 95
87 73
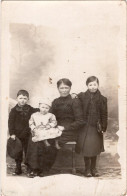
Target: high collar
96 94
64 98
24 108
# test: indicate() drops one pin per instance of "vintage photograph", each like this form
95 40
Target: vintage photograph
63 79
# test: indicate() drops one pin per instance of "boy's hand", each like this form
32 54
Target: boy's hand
13 137
73 96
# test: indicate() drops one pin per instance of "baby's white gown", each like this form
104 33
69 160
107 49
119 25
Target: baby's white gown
37 123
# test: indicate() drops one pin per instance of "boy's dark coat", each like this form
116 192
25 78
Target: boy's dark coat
18 122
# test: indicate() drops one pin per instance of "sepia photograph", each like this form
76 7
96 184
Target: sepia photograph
63 98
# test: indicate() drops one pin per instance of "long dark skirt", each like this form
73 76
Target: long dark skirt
93 142
39 156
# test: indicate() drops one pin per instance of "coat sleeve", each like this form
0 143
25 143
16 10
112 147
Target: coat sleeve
11 122
78 116
33 110
104 114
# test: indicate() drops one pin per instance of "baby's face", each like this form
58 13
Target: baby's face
93 86
44 109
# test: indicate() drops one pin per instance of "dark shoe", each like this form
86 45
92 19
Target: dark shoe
36 173
94 172
28 169
88 173
18 171
41 174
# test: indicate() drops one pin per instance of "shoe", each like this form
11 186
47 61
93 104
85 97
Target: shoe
94 172
88 173
41 174
31 175
36 174
18 171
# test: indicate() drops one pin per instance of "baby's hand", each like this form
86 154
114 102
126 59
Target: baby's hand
34 139
42 126
61 128
47 127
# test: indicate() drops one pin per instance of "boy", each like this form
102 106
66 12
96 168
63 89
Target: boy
19 124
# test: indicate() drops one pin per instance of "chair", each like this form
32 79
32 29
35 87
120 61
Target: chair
72 144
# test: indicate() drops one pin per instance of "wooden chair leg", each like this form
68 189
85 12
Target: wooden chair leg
73 160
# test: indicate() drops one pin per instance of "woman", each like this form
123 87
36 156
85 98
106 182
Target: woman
69 115
68 112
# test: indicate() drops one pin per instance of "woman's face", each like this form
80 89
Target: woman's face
64 90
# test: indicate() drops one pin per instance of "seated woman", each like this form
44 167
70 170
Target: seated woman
69 115
68 112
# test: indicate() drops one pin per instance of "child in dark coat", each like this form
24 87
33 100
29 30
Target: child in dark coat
90 140
18 124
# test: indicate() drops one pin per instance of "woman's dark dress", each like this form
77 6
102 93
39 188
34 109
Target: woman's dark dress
69 114
94 105
39 156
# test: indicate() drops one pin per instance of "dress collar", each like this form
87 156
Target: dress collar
64 98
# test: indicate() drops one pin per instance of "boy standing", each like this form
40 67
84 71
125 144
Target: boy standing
19 124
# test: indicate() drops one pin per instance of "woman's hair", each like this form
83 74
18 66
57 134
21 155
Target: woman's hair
23 92
64 81
92 79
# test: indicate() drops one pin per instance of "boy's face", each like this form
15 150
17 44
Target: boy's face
22 100
44 109
93 86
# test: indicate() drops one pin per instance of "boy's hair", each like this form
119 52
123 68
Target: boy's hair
65 81
92 79
23 92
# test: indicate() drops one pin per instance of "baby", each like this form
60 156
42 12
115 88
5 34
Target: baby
43 124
